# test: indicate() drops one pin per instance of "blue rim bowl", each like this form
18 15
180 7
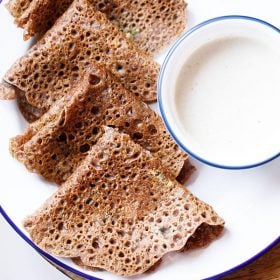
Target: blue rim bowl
160 89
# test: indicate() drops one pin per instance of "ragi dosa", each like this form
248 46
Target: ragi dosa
82 36
151 24
120 211
54 145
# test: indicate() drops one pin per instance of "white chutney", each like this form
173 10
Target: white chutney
224 95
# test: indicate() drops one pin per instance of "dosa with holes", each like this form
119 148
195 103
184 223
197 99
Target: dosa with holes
55 144
18 7
79 38
151 24
120 211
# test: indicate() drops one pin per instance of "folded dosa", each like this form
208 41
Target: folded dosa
54 145
82 36
151 24
119 211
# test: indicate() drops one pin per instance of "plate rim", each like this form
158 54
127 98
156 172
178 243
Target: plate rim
90 277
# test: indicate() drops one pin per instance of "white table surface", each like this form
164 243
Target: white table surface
19 261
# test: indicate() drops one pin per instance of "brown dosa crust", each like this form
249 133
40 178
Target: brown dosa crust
77 40
150 24
187 170
120 211
203 236
55 144
18 7
29 112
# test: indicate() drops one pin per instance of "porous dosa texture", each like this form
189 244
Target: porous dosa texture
18 7
151 24
79 38
29 112
42 14
120 211
201 238
55 144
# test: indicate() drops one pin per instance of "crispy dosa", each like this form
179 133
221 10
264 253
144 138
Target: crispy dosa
55 144
151 24
120 211
82 36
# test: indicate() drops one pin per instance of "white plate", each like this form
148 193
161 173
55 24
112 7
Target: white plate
248 200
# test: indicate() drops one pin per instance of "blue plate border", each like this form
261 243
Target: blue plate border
89 277
242 265
42 252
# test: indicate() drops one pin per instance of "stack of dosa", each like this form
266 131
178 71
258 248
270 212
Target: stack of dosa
54 145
